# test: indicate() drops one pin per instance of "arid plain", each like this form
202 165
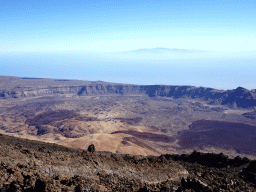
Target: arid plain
129 119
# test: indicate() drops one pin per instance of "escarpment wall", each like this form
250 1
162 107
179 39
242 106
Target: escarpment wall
112 89
25 87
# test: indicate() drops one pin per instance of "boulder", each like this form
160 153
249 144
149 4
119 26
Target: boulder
91 148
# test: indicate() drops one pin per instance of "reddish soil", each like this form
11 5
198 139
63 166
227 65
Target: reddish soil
51 116
137 142
130 121
148 136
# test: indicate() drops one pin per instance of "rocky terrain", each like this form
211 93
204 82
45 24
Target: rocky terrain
27 165
129 119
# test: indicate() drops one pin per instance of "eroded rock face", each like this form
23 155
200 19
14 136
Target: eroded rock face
241 97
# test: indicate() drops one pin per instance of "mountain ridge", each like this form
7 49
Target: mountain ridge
26 87
163 50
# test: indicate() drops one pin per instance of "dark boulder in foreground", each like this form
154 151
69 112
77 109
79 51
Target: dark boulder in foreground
91 148
250 172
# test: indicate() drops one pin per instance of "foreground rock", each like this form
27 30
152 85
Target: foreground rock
91 148
35 166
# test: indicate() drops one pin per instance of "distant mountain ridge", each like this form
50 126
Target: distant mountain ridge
15 87
163 50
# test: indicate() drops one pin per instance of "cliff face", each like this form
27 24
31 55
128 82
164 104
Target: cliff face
241 97
24 87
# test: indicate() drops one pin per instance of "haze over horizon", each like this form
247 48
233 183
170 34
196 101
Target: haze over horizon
199 43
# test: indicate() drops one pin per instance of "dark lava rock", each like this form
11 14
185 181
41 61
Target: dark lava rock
250 172
91 148
195 184
20 171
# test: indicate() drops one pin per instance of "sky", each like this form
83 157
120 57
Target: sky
97 40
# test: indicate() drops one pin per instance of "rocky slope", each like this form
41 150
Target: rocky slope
15 87
36 166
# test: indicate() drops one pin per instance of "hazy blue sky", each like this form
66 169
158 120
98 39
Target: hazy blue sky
70 26
117 25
